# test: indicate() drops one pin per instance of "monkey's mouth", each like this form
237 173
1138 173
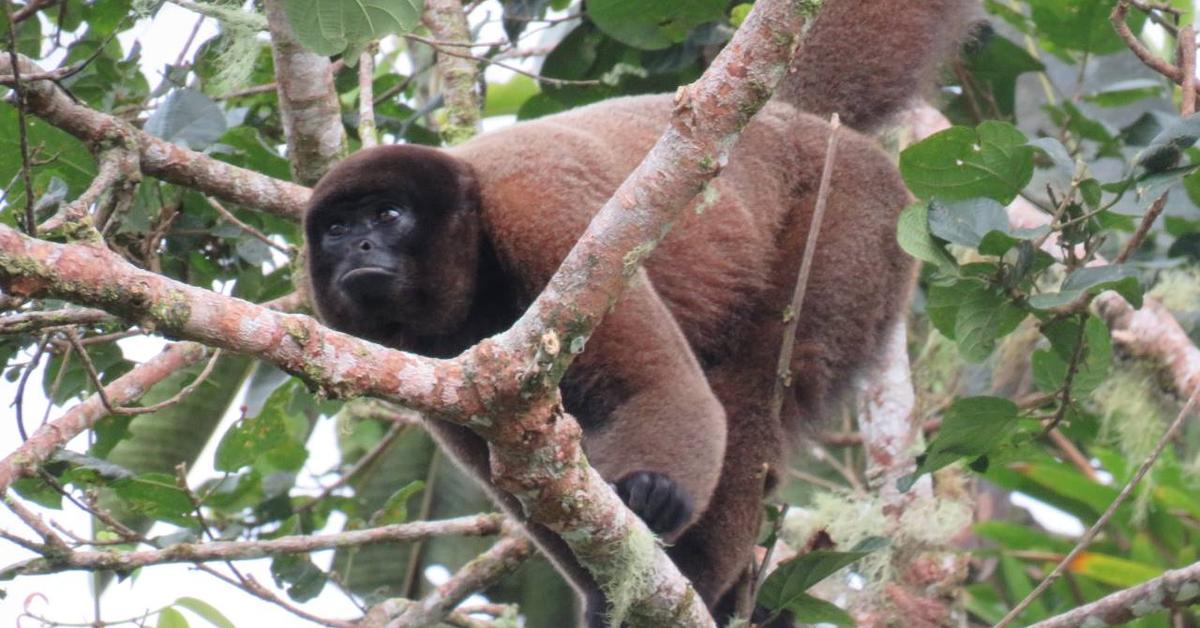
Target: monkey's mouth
369 283
366 273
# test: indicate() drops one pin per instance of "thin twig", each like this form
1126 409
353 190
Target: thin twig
19 398
791 318
109 560
1090 534
503 557
556 82
1174 589
102 391
255 233
365 461
22 131
1117 18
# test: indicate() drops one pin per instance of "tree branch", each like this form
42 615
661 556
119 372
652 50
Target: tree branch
1173 589
159 158
501 559
308 101
446 20
474 525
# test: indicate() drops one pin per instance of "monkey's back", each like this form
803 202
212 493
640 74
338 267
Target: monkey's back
727 274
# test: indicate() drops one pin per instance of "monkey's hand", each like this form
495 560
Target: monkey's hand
657 499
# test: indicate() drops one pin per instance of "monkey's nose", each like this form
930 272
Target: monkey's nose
365 245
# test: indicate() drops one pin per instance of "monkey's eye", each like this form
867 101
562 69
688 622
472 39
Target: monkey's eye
336 229
387 214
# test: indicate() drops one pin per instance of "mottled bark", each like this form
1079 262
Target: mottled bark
459 76
308 101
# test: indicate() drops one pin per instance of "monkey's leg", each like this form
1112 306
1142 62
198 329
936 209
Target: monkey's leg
651 424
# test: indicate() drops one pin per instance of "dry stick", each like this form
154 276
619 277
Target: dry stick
22 132
112 408
503 557
366 97
28 10
1175 588
255 233
25 322
783 370
365 461
252 586
1090 534
1117 17
1187 65
512 68
106 560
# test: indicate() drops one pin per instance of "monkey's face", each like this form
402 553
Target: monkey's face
393 242
367 254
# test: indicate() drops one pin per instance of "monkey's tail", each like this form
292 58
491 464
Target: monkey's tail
868 59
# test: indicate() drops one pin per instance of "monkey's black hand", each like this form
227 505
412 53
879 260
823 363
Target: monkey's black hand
657 499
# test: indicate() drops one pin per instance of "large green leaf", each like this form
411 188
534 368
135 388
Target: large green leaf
653 25
328 27
991 160
1081 24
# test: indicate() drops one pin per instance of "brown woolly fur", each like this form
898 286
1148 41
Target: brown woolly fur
865 59
432 250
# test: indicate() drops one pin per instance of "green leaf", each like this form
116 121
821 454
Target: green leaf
807 609
985 314
992 160
942 307
39 492
187 118
156 495
328 27
205 610
298 575
71 160
912 233
171 618
971 427
1081 24
994 67
1112 570
1124 93
1165 151
1093 280
653 25
785 588
966 222
395 510
250 439
1050 367
506 98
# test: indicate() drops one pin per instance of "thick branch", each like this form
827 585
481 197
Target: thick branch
338 363
308 101
1173 589
125 389
160 158
459 74
474 525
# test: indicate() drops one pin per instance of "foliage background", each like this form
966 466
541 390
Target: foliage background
1048 98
